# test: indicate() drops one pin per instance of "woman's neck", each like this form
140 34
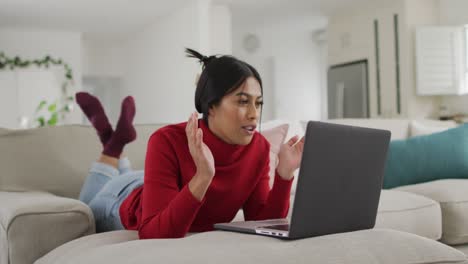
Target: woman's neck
217 132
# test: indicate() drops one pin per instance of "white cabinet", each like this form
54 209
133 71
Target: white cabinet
440 61
21 93
8 100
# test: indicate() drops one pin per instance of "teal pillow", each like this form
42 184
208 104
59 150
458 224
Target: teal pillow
426 158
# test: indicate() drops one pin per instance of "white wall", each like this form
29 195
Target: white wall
453 13
103 57
159 76
351 37
221 30
35 44
105 63
152 61
288 61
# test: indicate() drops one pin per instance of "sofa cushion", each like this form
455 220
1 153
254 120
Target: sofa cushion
401 211
367 246
426 127
66 252
463 248
426 158
410 213
58 157
33 223
452 194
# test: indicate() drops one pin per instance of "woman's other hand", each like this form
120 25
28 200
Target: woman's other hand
290 156
201 154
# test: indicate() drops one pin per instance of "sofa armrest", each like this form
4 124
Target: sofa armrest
34 223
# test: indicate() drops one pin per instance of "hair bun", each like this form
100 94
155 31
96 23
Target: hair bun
195 54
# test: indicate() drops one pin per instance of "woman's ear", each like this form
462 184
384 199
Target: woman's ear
211 111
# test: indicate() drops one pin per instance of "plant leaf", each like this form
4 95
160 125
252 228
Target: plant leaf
52 107
41 121
53 120
41 105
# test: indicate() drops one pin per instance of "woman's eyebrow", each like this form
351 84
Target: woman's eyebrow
248 95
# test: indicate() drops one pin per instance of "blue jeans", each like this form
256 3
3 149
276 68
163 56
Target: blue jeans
106 188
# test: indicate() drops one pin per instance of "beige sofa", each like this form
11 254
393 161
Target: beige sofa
41 221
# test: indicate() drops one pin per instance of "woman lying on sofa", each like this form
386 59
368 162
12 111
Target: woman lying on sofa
197 173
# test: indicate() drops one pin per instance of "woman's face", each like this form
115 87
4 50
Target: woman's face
235 119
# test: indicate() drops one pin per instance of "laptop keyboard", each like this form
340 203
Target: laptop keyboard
284 227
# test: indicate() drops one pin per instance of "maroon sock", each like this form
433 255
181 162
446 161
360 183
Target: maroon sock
124 131
96 115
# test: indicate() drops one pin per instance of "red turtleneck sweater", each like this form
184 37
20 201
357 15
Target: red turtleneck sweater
164 206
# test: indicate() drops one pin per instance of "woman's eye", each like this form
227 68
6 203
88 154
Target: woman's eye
245 102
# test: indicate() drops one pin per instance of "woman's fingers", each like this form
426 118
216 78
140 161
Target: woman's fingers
292 140
301 142
199 139
301 146
194 134
195 120
191 129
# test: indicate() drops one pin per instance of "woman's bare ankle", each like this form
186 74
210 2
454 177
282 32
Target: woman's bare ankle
114 162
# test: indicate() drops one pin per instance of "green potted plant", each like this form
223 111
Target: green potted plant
47 113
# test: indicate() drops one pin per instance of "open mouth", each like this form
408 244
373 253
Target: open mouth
249 129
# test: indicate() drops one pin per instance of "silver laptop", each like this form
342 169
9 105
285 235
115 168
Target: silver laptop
339 183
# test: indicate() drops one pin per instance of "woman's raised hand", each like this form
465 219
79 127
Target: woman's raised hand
201 154
290 156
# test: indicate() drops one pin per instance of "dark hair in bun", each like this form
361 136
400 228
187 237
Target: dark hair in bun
220 76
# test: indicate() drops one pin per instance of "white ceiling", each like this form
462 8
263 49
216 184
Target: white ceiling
89 16
322 7
114 17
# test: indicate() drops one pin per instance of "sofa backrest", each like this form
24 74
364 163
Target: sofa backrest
57 159
398 127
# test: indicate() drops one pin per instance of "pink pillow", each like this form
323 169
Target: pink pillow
275 137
